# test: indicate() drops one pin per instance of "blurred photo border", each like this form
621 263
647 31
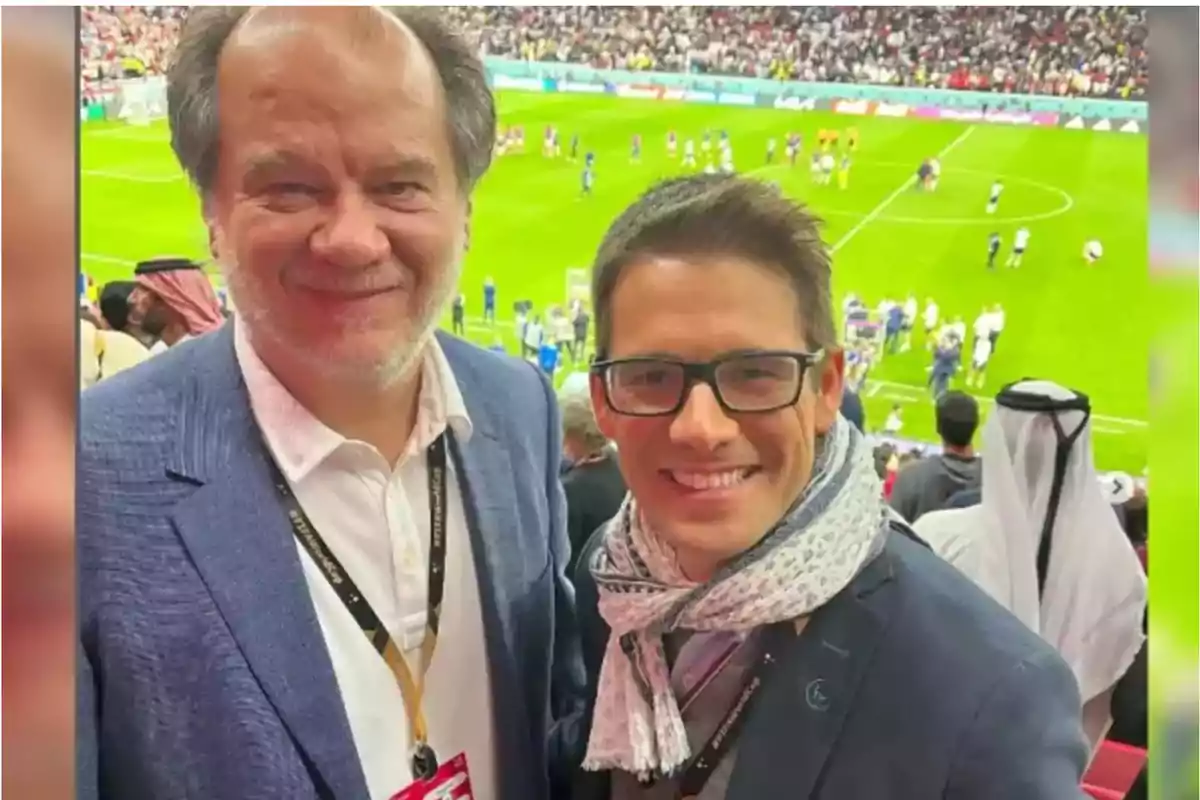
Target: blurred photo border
40 380
1175 403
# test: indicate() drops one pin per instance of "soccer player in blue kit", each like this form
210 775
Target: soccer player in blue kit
946 358
548 357
489 300
589 177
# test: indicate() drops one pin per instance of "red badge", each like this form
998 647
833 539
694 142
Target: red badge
452 781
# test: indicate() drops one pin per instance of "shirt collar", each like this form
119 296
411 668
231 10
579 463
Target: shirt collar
300 442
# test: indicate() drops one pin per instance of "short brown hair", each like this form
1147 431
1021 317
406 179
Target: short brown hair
719 215
579 421
192 90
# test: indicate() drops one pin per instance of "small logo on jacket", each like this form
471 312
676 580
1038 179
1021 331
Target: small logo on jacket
814 695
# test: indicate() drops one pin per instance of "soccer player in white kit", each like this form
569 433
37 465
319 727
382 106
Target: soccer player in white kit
689 154
994 197
958 328
1020 242
827 164
727 159
931 320
980 353
996 325
982 326
910 319
1093 251
935 172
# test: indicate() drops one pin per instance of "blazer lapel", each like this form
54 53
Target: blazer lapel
487 478
795 723
235 530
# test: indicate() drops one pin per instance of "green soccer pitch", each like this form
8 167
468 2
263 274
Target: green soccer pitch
1081 326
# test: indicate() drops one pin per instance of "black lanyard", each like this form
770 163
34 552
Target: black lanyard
706 761
412 687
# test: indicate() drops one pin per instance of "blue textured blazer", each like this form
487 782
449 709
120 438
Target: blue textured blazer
202 670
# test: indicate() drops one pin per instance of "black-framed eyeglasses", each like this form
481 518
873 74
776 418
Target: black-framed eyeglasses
754 382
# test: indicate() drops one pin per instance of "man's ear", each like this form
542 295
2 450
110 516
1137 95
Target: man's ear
830 385
209 216
467 227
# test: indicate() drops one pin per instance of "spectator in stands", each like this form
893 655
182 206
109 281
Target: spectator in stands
755 548
928 483
174 301
103 351
593 483
254 509
1045 543
852 409
115 309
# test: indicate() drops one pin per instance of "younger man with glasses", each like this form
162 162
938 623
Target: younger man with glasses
754 582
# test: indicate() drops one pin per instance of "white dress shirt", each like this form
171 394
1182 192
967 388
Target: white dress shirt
375 520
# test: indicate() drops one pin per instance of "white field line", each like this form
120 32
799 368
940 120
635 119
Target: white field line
103 259
887 201
122 176
907 392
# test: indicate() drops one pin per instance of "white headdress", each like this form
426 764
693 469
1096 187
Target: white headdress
1055 552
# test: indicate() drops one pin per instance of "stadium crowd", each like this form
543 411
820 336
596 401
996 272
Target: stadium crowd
1062 51
125 41
1073 51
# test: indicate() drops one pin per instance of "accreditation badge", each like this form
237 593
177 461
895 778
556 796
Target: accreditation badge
451 781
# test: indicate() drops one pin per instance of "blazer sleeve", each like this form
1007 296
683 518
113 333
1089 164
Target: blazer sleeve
904 494
567 676
1026 740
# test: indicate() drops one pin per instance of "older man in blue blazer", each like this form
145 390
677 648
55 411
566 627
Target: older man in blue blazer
321 550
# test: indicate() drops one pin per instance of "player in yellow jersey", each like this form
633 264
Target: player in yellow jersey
852 139
823 139
843 176
833 140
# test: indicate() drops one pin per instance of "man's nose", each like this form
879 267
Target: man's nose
702 423
352 236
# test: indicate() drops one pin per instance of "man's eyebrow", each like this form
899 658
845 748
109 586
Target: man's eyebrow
272 160
405 165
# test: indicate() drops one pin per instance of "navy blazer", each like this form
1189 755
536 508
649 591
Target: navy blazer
203 672
911 684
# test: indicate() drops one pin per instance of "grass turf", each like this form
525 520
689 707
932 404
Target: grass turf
1082 326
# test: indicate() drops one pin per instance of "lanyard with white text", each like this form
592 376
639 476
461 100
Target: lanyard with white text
717 747
424 760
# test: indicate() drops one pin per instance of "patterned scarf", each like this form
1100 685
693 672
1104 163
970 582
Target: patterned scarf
835 527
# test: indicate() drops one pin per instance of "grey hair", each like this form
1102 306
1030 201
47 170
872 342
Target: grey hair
579 421
192 91
704 216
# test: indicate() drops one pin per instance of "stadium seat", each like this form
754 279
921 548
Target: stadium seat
1114 769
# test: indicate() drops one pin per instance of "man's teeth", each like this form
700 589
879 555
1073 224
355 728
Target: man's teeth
711 480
